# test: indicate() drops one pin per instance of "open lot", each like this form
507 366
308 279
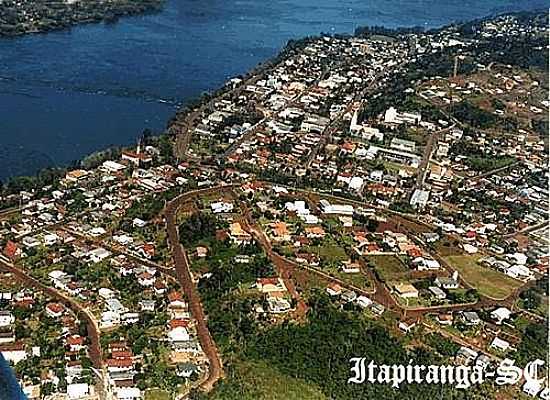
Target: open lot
390 268
487 281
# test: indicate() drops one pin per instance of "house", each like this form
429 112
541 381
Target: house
128 393
98 255
242 259
55 310
115 305
238 235
77 391
30 242
470 318
349 267
146 279
407 325
147 305
446 282
109 319
185 370
106 293
348 296
405 290
201 251
500 315
378 308
13 352
138 223
483 361
178 334
146 250
519 271
175 300
334 289
159 287
419 198
444 319
138 158
425 264
280 232
430 237
277 304
437 292
75 342
6 319
120 364
314 232
76 175
129 318
221 207
499 344
363 301
267 285
346 221
465 355
12 251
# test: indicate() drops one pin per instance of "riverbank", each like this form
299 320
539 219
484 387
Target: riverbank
99 85
20 18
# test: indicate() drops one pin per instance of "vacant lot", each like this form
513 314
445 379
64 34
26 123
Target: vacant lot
390 268
329 253
487 281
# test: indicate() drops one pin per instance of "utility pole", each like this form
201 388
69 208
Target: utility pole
455 69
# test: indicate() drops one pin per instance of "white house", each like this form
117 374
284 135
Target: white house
6 318
178 334
128 393
501 314
78 390
499 344
98 255
14 352
363 301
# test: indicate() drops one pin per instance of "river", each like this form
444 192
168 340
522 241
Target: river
68 93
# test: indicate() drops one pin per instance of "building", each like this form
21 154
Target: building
419 198
406 290
500 315
403 145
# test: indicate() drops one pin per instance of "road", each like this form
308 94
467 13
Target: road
181 264
428 150
79 310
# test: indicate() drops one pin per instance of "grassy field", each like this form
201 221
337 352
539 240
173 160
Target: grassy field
157 394
357 279
390 268
487 281
258 381
331 253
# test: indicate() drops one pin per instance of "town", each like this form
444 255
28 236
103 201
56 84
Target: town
392 181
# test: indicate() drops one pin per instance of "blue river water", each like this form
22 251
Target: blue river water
9 388
68 93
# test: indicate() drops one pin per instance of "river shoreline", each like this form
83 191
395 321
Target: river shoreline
71 16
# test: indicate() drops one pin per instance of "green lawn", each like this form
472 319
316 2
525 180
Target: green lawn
390 268
359 280
157 394
330 253
258 381
487 281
